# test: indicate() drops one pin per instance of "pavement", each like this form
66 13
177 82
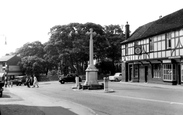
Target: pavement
12 104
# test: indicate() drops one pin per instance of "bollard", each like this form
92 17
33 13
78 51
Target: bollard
77 82
105 84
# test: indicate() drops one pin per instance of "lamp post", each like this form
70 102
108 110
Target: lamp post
91 71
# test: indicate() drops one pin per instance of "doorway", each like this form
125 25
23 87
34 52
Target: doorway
146 73
130 72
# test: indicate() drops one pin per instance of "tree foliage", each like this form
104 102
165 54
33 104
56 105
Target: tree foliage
32 65
32 61
68 48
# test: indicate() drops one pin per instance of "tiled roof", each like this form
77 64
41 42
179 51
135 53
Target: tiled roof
6 58
167 23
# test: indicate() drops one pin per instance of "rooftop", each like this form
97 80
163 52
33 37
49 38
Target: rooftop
6 58
165 24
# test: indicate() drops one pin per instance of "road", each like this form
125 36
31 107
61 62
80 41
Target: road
128 99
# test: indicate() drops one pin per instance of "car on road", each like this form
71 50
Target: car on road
116 77
69 78
19 80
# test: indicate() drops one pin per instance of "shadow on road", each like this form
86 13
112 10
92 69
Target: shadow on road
6 96
15 109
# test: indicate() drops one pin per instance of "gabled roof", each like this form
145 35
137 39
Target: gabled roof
167 23
6 58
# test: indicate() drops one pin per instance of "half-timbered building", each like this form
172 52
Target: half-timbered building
154 52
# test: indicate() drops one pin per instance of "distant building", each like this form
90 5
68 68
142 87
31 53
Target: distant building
9 67
154 52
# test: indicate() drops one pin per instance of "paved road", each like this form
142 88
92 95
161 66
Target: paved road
20 100
128 98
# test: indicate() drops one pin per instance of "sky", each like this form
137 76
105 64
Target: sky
23 21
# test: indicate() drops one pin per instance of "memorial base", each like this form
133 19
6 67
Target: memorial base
92 79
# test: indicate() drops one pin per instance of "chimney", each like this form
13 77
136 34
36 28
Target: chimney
127 30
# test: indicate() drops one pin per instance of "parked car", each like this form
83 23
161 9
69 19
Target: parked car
116 77
19 80
68 78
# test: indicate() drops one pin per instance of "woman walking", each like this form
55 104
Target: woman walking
35 83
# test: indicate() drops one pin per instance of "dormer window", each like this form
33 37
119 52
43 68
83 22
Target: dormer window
168 40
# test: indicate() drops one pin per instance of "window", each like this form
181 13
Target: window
136 71
126 49
156 71
169 72
168 40
181 72
151 44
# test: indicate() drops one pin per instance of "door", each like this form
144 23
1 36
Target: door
146 73
178 74
130 72
181 68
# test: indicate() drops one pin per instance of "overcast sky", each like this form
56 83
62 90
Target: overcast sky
23 21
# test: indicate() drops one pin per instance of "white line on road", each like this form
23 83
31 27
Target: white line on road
146 99
138 98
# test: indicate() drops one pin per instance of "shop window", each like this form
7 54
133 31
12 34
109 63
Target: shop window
156 71
169 72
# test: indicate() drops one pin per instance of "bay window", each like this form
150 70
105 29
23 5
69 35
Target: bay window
169 72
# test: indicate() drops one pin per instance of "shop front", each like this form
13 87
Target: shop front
155 71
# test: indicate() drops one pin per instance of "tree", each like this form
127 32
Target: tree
68 46
32 65
112 49
32 61
71 45
31 49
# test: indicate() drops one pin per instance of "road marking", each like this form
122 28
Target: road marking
139 98
152 100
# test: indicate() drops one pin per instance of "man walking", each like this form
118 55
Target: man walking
28 81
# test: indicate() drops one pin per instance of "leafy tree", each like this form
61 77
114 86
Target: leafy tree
71 45
32 61
32 65
31 49
68 48
111 47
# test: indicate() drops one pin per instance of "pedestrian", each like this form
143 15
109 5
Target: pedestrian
35 83
5 81
31 80
11 81
28 81
8 81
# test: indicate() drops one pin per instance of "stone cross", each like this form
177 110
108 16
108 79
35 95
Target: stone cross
91 33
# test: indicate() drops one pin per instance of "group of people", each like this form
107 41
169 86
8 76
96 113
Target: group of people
8 81
31 81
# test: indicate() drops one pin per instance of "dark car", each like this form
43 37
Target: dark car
19 80
69 78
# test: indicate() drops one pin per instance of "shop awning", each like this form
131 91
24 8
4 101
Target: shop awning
175 57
